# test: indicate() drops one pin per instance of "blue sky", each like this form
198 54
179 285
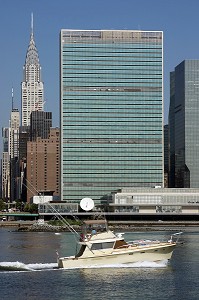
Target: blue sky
178 19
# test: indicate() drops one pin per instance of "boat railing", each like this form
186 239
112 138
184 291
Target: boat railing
175 237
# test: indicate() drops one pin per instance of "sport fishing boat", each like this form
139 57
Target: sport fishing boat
101 246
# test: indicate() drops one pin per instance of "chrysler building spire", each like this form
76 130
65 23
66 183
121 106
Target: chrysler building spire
31 23
32 86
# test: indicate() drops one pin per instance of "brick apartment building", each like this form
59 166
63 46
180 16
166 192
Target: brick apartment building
43 165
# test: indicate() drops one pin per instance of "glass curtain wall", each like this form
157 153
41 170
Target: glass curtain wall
111 111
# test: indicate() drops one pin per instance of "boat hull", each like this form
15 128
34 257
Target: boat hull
151 254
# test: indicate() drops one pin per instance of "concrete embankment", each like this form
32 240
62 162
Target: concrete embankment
154 225
16 223
113 225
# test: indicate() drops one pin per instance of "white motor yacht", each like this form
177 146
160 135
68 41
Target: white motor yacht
101 246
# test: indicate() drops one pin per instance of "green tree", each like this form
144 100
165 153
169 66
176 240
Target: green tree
27 207
19 204
32 208
2 205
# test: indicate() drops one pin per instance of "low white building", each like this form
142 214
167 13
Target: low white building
155 200
57 207
41 199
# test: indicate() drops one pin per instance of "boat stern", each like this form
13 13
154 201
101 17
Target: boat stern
66 262
60 263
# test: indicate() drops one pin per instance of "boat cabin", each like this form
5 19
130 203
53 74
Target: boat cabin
96 237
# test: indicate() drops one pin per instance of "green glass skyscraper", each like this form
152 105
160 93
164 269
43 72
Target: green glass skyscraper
184 125
111 103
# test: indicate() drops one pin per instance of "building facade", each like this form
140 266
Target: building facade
40 124
184 125
111 111
32 88
155 201
166 155
14 133
5 165
24 138
14 154
171 133
43 165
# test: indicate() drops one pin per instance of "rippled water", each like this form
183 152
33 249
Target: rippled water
28 270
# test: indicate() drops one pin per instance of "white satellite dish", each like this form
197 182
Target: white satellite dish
87 204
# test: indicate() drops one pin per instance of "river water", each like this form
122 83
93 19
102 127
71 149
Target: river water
28 270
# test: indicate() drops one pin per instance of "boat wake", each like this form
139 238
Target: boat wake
19 266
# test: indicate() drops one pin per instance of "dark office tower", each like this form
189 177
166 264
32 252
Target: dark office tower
111 111
40 124
171 132
184 120
14 154
5 165
166 156
5 138
24 137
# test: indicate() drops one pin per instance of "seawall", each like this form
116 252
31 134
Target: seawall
113 225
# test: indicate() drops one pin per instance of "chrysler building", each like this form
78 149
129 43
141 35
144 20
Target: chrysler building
32 88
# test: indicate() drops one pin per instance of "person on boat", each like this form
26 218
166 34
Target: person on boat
93 232
81 237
